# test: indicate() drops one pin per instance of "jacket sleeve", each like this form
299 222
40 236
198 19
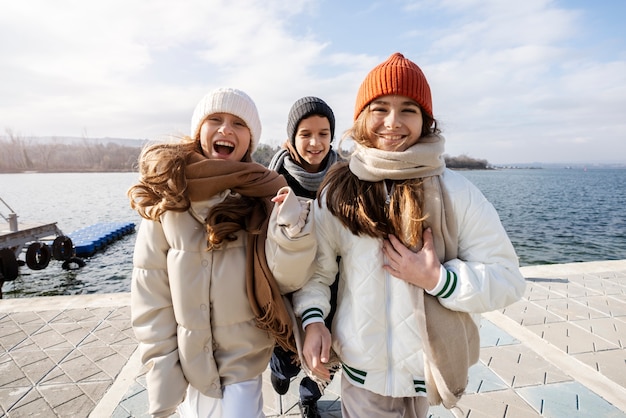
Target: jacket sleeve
153 320
312 302
486 274
291 244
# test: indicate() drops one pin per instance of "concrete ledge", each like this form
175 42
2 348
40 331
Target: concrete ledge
50 303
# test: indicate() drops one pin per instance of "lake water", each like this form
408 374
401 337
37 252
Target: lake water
552 216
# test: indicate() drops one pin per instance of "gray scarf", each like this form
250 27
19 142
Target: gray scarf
310 181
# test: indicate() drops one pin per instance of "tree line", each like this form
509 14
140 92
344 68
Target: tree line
20 155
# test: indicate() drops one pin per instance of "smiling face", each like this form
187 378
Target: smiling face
224 136
395 121
313 141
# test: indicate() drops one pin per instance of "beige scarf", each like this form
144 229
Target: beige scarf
206 178
451 339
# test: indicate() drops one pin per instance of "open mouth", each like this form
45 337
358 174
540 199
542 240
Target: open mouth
223 147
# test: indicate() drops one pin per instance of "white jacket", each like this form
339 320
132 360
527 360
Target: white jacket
374 331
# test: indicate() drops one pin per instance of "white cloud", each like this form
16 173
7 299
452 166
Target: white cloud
510 81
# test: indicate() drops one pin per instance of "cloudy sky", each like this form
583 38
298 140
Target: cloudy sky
512 82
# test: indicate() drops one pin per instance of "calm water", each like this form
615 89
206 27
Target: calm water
558 216
73 201
551 215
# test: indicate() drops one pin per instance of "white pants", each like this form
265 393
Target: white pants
244 399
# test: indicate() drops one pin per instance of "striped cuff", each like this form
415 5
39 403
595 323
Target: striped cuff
447 284
355 375
419 385
311 316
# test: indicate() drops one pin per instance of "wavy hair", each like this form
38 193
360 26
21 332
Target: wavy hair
362 206
162 187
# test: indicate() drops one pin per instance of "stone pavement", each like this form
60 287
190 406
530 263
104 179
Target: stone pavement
559 352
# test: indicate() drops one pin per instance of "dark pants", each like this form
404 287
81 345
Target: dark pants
282 366
282 363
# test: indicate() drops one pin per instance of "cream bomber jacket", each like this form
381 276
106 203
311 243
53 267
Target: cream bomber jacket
374 331
189 307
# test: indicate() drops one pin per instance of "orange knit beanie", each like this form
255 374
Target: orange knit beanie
397 75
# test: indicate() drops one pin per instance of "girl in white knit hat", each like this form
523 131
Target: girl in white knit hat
206 301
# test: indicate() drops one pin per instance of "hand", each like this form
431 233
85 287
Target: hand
281 195
421 268
316 349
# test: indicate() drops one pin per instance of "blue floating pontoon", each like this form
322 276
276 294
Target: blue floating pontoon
89 240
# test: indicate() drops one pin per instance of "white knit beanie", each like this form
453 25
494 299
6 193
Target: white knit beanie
228 100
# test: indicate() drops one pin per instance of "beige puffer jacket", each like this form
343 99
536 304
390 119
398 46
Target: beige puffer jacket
190 310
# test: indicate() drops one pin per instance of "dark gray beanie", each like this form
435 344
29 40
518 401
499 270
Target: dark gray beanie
305 107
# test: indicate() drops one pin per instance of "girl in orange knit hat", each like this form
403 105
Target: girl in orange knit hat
421 249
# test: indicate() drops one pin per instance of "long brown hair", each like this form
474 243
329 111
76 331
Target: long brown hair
162 183
163 186
364 207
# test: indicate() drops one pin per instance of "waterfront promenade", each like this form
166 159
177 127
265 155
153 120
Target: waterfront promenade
559 352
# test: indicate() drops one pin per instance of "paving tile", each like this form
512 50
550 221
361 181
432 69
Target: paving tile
58 354
136 404
34 365
503 403
47 315
600 305
535 291
26 344
73 332
84 316
528 313
12 334
80 406
567 400
491 336
617 307
57 395
9 396
482 379
574 310
31 404
125 349
519 366
79 368
94 390
46 338
610 363
28 319
609 333
106 334
106 359
57 376
566 336
11 376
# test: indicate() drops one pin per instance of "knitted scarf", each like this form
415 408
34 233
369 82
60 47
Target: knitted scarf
310 181
206 178
451 339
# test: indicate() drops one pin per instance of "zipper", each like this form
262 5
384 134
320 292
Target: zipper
388 331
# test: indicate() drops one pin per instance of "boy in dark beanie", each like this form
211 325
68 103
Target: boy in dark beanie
304 160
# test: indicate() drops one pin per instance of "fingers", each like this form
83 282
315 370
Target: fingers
279 198
395 242
428 237
316 349
281 195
